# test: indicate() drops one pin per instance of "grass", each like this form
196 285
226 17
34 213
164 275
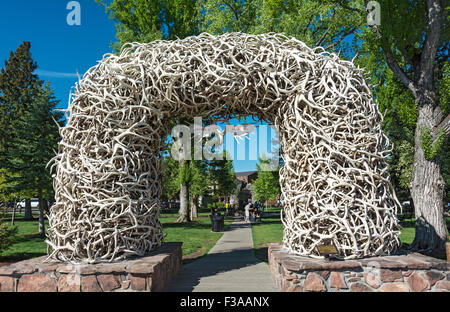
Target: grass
29 243
271 230
272 208
196 236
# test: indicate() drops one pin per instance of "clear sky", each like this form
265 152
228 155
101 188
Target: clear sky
61 50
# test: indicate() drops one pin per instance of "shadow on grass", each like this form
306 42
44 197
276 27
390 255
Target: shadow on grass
5 260
261 253
203 251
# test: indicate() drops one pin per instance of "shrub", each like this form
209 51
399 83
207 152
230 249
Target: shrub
8 234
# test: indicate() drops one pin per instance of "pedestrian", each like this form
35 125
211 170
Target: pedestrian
247 212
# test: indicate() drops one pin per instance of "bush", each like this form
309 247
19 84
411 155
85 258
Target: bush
8 234
219 206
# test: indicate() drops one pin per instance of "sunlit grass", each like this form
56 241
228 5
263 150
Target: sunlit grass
196 236
271 230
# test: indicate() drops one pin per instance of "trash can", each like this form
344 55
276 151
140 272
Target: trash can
217 222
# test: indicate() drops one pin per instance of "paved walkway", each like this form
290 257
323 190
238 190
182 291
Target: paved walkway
229 266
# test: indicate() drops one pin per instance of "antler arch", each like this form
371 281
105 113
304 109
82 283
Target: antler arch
335 185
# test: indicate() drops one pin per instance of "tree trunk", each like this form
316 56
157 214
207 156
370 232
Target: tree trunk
41 214
46 208
427 190
28 212
184 204
194 207
13 216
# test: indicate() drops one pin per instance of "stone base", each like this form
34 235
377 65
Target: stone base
403 273
149 273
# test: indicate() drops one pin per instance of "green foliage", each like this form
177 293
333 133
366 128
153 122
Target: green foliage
185 174
404 165
171 182
431 148
148 20
395 100
217 206
218 17
192 172
33 145
199 178
445 163
267 185
444 88
222 177
18 86
7 234
316 22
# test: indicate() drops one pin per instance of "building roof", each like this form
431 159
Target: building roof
245 173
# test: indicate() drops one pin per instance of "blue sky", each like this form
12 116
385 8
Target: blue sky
61 50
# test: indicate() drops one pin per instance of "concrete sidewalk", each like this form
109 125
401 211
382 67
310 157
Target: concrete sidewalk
229 266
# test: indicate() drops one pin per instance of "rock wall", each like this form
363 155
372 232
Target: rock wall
403 273
150 273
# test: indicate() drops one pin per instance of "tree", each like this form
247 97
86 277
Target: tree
8 234
199 184
33 147
148 20
417 57
222 177
18 86
7 195
185 177
267 185
195 183
316 22
171 183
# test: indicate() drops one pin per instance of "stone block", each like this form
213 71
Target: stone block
69 283
108 282
394 287
6 284
360 287
443 285
433 276
90 284
313 282
417 283
138 283
39 282
337 280
390 275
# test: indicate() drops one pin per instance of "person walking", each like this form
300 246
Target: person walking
247 212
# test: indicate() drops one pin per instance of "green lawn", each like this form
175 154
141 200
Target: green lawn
271 230
272 208
196 236
29 244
